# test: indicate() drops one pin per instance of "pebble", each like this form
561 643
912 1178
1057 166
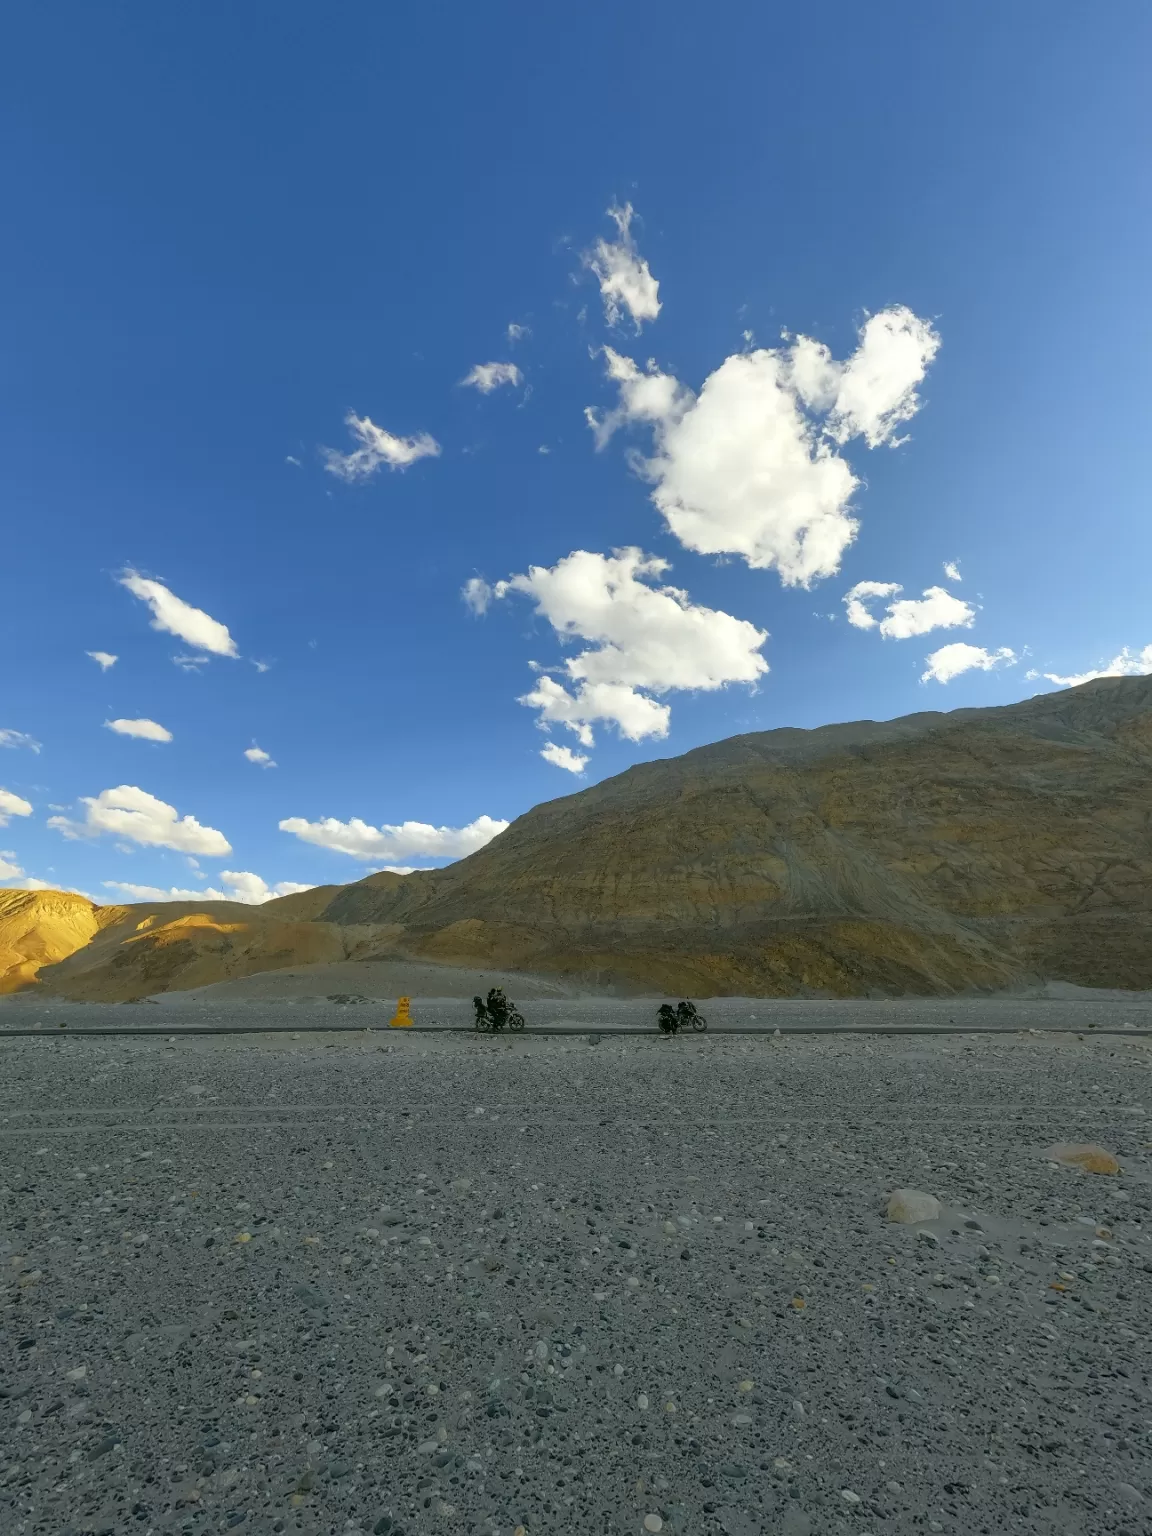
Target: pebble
849 1497
653 1523
912 1205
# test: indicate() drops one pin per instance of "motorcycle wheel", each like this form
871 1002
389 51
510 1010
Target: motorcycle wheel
699 1022
516 1020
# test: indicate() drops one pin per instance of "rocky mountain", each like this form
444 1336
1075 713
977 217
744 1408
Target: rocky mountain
934 853
981 848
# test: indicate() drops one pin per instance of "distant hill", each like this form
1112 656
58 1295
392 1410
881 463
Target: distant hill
934 853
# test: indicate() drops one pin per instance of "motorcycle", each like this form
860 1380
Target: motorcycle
495 1012
683 1016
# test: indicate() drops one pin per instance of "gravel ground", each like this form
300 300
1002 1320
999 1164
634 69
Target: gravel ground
1087 1010
442 1283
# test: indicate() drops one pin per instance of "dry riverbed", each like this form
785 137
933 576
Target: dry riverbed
441 1283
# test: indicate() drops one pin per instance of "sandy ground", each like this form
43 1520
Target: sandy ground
448 1283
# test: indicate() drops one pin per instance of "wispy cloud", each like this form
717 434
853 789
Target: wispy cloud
477 594
1127 664
950 660
517 332
409 839
103 659
14 739
146 730
952 571
377 447
489 376
625 280
173 616
132 813
240 885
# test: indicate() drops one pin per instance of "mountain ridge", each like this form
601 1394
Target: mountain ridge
936 852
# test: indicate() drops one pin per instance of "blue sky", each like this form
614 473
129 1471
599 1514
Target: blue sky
888 264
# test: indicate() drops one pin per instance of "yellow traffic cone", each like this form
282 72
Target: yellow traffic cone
402 1018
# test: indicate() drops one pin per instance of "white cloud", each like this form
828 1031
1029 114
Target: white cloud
10 738
12 805
256 754
855 601
146 730
750 466
477 594
1127 664
290 458
950 660
936 608
377 447
173 616
9 871
876 387
564 757
518 332
625 281
644 637
103 659
241 886
133 813
489 376
952 571
411 839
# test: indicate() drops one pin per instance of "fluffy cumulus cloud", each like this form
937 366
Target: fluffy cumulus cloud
564 757
377 447
14 739
952 570
240 885
489 376
646 638
9 870
145 730
626 284
410 839
477 595
1127 664
173 616
134 814
751 465
103 659
257 755
936 608
950 660
12 805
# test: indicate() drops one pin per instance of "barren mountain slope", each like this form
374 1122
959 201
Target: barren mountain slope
932 853
38 928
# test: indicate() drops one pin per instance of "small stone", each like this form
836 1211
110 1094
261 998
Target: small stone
1086 1155
78 1374
653 1523
911 1206
849 1497
746 1385
642 1401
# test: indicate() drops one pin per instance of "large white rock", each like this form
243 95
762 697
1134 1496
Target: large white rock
912 1205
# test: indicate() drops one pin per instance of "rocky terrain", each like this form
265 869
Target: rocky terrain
455 1284
982 849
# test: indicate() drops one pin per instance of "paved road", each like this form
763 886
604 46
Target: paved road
422 1283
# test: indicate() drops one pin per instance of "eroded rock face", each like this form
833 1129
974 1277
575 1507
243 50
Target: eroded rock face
979 849
37 928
